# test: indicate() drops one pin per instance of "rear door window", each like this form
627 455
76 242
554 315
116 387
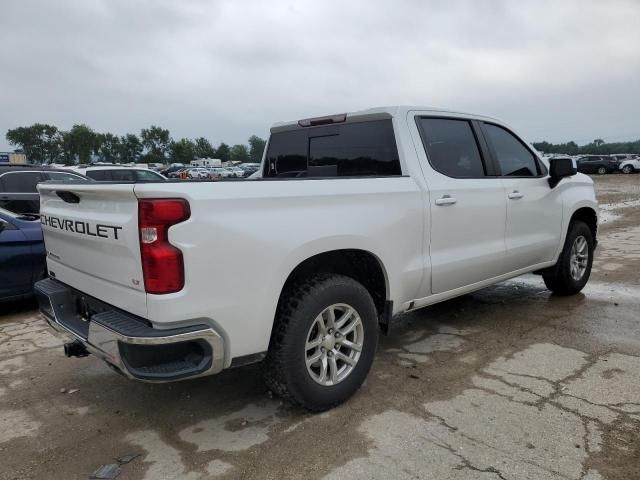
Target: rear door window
345 150
21 182
451 147
514 159
122 175
99 175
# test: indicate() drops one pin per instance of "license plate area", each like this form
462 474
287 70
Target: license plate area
74 310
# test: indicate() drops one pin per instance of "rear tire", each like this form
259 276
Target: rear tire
602 170
308 339
573 269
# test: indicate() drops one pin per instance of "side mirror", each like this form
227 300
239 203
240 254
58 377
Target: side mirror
559 169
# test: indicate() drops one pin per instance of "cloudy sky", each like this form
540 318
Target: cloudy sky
556 70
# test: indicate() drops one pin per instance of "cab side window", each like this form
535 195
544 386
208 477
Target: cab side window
514 159
451 147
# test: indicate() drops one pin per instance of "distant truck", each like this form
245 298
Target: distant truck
354 218
13 158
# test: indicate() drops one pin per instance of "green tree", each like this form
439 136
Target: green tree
108 147
223 152
81 141
203 148
40 142
239 153
130 148
571 148
256 147
65 154
183 151
156 142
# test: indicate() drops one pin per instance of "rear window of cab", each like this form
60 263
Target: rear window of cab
362 149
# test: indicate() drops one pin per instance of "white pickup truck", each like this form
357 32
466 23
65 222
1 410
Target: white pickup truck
354 218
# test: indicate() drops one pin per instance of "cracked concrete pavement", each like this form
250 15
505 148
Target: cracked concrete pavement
507 383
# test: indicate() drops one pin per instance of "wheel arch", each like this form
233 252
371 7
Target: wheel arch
361 265
589 216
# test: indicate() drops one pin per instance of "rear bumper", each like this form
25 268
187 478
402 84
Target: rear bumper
129 343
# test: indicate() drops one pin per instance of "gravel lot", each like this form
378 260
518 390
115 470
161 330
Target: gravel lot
506 383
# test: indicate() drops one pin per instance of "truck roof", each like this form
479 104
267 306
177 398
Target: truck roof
375 114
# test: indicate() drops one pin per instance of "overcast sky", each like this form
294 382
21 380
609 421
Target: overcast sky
555 70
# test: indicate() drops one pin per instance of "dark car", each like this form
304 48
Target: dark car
172 169
600 164
22 254
178 173
18 191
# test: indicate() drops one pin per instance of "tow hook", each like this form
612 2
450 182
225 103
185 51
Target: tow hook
75 349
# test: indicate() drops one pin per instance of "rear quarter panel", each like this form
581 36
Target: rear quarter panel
244 238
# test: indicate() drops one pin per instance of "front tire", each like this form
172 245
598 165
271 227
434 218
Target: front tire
323 342
573 269
627 169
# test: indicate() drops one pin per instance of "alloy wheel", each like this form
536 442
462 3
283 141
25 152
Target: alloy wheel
334 344
579 258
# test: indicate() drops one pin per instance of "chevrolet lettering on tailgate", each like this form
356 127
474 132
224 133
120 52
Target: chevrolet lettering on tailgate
81 227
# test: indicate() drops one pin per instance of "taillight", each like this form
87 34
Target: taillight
162 264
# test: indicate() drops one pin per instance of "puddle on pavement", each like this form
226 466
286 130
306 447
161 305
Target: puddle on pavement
237 431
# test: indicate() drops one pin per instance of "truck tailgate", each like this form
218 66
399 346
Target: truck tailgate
92 243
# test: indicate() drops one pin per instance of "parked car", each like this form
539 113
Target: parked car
177 173
599 164
398 208
248 168
122 174
222 172
174 167
22 254
625 156
18 192
198 172
630 165
236 172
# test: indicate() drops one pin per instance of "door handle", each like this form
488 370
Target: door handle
446 200
515 195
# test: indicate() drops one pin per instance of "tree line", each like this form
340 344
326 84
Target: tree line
597 147
44 143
